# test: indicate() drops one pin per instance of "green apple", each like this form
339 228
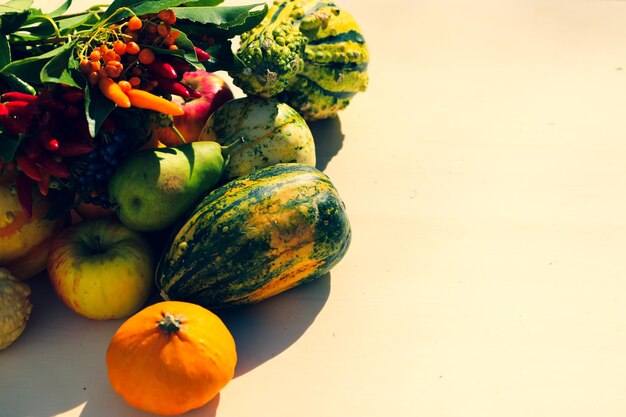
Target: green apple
152 188
101 269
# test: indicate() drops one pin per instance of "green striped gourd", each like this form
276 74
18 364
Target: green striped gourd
259 132
310 53
256 237
335 62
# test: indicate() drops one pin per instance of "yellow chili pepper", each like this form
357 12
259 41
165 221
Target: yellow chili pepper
146 100
111 90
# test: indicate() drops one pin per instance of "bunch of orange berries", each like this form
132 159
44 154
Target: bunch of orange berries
118 56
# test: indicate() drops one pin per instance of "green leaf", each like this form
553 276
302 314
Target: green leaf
97 108
29 69
10 22
70 24
15 6
8 146
223 17
201 3
5 51
62 69
140 7
40 25
61 9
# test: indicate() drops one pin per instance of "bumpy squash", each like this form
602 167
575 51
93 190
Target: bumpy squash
271 132
24 241
335 62
15 308
255 237
310 54
171 357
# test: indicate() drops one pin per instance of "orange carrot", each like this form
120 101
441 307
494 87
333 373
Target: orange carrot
146 100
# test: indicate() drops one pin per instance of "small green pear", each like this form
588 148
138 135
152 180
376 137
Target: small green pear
152 188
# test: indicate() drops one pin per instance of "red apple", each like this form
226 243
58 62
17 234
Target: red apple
213 91
101 269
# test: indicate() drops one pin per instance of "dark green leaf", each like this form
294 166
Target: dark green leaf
14 6
5 51
223 17
8 146
98 108
140 7
187 46
29 69
10 22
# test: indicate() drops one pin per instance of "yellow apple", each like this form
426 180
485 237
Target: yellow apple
101 269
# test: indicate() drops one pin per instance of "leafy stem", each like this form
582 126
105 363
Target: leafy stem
94 10
118 11
43 41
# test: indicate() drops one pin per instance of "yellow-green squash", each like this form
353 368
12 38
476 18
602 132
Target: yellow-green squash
256 237
259 132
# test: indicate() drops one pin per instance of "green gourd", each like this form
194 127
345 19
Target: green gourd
311 54
255 237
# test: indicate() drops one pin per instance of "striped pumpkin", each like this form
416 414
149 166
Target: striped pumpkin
256 237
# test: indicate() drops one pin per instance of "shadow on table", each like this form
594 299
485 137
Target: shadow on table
67 371
264 330
328 140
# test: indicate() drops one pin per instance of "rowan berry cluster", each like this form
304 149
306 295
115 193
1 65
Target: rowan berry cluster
125 53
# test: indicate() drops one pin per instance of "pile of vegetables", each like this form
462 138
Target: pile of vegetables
116 114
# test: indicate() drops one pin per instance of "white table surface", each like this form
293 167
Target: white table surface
484 172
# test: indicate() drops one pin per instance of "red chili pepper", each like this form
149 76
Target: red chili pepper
54 168
163 69
202 54
31 148
49 121
52 103
44 184
4 112
194 93
180 65
69 149
17 96
21 108
28 167
16 126
51 144
24 187
82 130
72 95
173 87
